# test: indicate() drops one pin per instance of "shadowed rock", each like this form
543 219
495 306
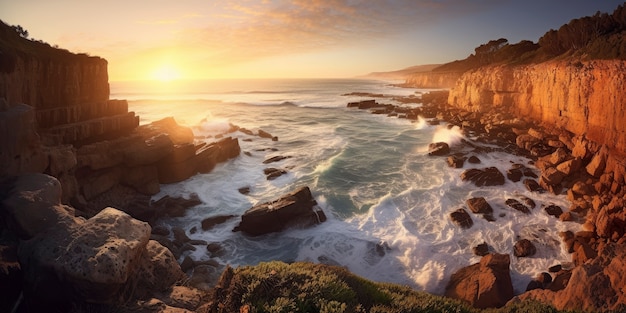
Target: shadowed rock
461 218
438 149
294 209
489 176
483 285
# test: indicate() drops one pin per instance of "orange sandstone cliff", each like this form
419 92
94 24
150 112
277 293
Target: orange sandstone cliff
587 98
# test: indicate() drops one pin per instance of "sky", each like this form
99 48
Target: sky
204 39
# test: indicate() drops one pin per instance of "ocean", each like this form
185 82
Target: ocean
387 201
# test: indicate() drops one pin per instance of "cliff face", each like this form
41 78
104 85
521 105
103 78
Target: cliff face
585 98
46 83
433 79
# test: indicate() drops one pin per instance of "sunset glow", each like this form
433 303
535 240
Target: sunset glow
166 73
199 39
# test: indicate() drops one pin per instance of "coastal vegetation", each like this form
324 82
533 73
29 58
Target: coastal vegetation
601 36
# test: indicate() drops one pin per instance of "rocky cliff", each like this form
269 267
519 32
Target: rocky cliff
432 79
587 98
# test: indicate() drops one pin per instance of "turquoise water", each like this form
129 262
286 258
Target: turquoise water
370 173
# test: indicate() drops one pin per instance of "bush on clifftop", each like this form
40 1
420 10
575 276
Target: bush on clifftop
307 287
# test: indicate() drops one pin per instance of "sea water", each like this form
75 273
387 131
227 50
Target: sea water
387 201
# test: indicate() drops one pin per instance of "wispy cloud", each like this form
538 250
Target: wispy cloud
255 29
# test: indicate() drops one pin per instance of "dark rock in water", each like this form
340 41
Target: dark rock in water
264 134
244 190
363 105
246 131
210 222
276 159
473 160
481 249
438 149
555 268
172 206
514 204
554 210
540 282
180 237
515 173
479 205
455 161
296 209
524 248
533 186
486 284
215 249
529 202
272 173
382 248
489 176
462 218
160 230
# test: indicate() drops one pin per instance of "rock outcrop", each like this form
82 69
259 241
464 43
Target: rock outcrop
486 284
596 285
64 258
296 209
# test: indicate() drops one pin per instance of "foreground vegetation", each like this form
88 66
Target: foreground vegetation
305 287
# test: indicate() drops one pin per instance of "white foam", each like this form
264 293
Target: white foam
451 136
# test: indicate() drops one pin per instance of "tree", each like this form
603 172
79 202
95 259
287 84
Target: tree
20 31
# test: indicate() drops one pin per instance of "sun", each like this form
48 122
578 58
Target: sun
166 73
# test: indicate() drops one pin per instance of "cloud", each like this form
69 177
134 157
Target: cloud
256 29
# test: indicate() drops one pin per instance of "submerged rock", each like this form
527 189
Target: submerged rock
294 209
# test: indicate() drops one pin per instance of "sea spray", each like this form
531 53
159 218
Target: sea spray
451 136
421 123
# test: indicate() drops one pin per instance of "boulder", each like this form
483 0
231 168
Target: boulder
481 249
33 204
524 248
479 205
297 208
210 222
455 161
438 149
461 218
489 176
277 158
157 270
516 205
552 176
598 163
533 186
272 173
91 260
570 167
554 210
486 284
473 160
542 281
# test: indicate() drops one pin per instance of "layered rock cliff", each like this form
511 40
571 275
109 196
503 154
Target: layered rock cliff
587 98
433 79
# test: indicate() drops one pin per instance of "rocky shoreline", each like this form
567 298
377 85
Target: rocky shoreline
567 164
144 255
